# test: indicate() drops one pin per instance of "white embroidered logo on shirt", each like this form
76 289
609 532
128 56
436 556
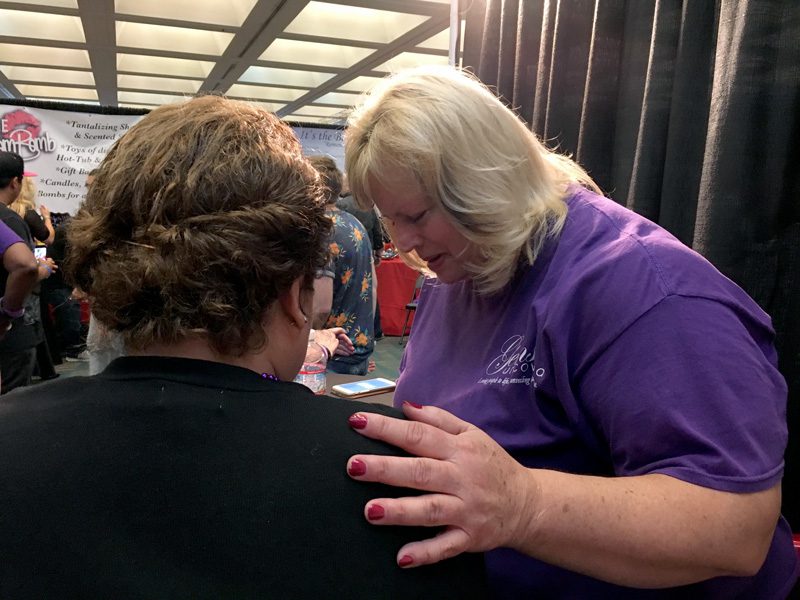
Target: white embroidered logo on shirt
515 365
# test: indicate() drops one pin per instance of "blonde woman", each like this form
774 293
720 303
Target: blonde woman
602 408
40 223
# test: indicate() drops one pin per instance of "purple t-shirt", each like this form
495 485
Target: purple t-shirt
7 237
619 352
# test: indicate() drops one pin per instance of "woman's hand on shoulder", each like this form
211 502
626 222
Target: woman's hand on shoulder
480 495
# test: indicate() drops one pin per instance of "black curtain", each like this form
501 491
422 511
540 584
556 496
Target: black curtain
686 111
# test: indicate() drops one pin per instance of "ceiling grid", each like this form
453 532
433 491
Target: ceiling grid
306 60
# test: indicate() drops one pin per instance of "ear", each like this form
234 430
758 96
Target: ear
291 306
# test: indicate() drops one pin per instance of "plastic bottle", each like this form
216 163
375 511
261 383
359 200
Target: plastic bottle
312 373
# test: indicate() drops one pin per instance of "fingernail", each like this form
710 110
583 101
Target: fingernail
375 512
412 404
357 468
357 421
405 561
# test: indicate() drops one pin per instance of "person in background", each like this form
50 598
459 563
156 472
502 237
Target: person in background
40 223
349 276
372 223
69 339
41 229
179 471
19 274
18 347
601 409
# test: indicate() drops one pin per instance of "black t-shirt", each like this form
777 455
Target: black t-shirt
176 478
36 224
58 252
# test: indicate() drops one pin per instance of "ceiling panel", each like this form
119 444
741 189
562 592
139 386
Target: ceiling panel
56 3
284 77
338 98
309 61
263 93
21 24
408 60
353 22
150 98
43 55
63 93
164 37
213 12
163 84
43 75
314 54
163 65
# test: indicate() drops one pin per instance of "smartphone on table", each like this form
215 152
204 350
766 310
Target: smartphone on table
362 388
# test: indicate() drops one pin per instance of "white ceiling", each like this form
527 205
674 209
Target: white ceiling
306 60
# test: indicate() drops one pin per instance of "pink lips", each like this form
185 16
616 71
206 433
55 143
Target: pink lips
435 261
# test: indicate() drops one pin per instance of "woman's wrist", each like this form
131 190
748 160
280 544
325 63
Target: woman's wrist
46 267
11 313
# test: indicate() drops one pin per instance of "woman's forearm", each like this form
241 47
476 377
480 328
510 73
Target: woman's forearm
645 531
23 270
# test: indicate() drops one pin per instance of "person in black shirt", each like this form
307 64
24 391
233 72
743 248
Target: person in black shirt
194 467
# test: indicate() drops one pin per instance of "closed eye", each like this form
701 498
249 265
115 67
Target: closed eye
417 218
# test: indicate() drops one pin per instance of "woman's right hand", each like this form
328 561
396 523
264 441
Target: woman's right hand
44 211
335 340
481 495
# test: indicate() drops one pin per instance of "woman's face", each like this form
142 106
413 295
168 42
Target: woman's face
419 225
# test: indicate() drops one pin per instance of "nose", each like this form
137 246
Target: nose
406 237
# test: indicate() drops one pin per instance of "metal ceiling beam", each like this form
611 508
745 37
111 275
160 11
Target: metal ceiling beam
266 21
8 89
414 7
98 20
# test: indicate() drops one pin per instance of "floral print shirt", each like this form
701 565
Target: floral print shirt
351 267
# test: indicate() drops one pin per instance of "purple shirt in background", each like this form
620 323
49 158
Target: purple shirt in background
619 352
7 237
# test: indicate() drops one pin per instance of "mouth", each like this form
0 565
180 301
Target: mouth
435 260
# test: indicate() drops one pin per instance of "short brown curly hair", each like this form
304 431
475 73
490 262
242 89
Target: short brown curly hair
198 218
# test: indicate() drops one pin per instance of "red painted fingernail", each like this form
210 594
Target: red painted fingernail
412 404
357 421
405 561
357 468
375 512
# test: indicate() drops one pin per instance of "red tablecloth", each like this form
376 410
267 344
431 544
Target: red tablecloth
395 289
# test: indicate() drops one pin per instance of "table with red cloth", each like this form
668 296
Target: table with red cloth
395 289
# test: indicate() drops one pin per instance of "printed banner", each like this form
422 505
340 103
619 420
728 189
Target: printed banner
316 140
62 147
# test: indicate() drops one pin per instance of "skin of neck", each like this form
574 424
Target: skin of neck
286 330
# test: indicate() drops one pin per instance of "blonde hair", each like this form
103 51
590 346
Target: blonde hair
501 188
27 198
198 219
